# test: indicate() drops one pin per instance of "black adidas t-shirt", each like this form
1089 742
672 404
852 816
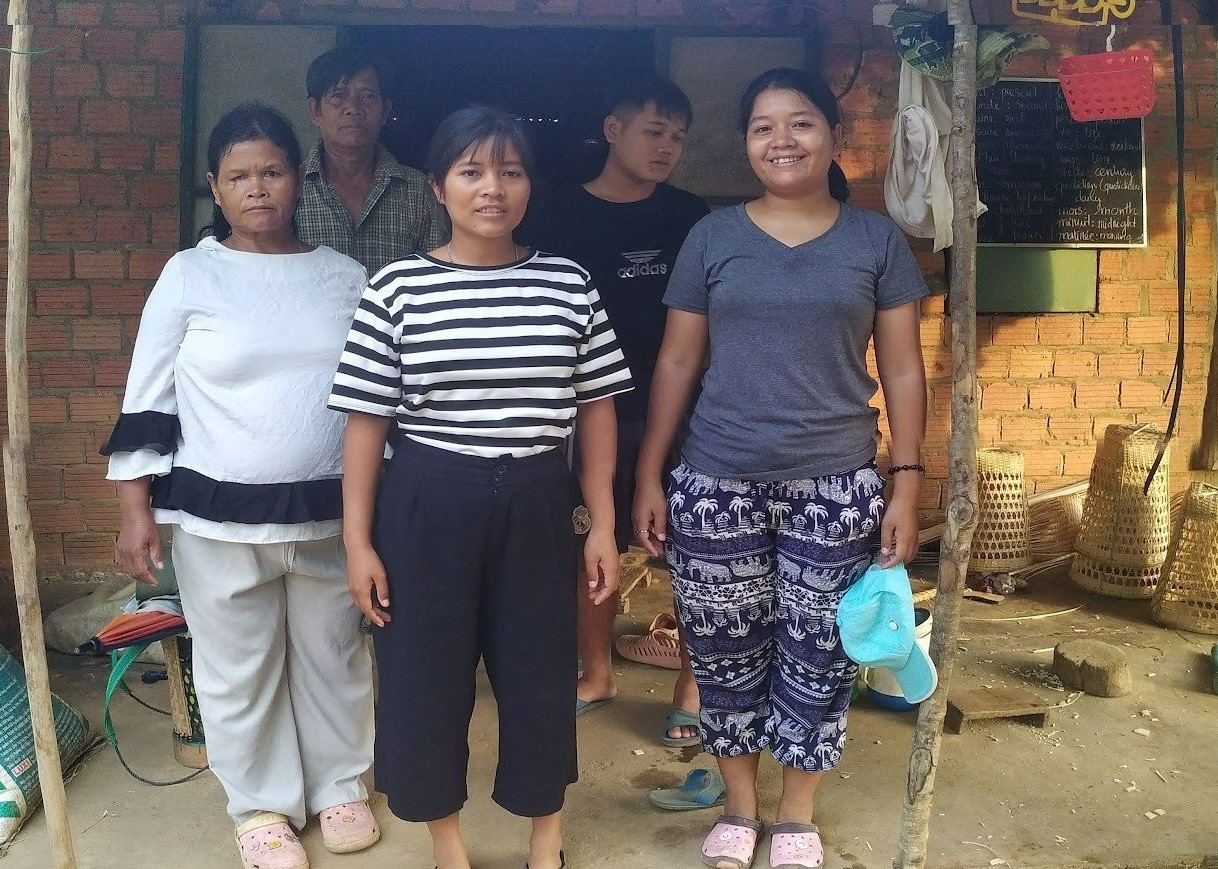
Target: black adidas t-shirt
629 249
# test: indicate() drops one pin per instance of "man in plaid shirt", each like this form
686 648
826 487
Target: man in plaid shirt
357 198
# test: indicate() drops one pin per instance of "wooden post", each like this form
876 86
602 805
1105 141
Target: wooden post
962 446
17 444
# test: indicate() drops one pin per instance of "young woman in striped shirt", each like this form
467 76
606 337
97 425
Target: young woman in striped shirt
483 354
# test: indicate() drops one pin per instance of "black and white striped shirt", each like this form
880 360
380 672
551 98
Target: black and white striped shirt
482 361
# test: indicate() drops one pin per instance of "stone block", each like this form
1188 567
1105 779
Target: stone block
1092 666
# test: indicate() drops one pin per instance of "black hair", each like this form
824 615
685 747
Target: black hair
474 125
817 92
329 70
248 122
631 95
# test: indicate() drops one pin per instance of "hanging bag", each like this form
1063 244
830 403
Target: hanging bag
1108 86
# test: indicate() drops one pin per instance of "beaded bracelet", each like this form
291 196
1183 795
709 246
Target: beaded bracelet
921 469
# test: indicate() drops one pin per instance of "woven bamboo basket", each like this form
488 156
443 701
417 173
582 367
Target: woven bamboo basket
1187 595
1124 534
189 746
1000 541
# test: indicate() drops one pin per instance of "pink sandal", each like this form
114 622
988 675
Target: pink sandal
795 846
731 843
349 827
266 841
659 647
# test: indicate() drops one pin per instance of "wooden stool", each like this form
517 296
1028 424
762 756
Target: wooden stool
189 747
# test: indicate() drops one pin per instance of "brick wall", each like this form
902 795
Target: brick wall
106 161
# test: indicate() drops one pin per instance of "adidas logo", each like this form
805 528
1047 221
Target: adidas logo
641 264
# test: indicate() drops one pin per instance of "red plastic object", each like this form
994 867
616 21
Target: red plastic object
1109 86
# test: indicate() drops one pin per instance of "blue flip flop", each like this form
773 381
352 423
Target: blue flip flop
703 788
584 706
680 718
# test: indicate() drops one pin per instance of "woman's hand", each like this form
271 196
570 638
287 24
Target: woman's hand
650 517
899 529
138 543
601 565
368 584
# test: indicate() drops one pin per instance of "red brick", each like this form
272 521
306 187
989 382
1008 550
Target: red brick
1146 264
1147 330
1197 329
110 44
93 406
48 410
147 264
1102 330
48 189
164 46
67 300
131 82
106 265
1050 396
103 190
169 84
1042 462
123 227
1014 331
1157 362
87 483
930 495
1028 362
1120 298
111 371
56 517
45 484
1096 395
75 80
55 116
868 133
65 372
69 227
66 152
96 333
47 335
166 157
105 117
125 154
1074 363
50 266
157 120
48 549
165 232
101 515
88 549
78 14
59 448
1141 393
1004 396
1060 329
1022 430
142 15
1070 428
1078 462
152 192
993 362
1120 363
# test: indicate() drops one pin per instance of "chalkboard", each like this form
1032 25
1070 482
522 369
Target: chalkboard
1052 181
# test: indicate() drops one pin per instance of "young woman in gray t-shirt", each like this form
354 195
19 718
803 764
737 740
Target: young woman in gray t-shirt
778 504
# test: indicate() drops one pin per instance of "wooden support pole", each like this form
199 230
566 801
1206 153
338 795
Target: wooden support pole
962 446
17 444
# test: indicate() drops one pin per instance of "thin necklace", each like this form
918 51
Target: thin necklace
516 255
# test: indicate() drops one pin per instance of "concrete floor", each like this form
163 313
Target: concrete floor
1007 793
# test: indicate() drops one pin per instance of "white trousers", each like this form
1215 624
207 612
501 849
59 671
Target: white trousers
282 672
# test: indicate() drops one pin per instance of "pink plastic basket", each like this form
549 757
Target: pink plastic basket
1105 87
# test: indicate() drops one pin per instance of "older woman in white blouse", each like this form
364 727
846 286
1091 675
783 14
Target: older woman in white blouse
225 435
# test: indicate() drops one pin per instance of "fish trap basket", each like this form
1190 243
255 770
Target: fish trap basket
189 745
1108 86
1124 534
1000 541
1187 595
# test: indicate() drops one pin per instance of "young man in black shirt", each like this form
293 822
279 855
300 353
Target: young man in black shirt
626 227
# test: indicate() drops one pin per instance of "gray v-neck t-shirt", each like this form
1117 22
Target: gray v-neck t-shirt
788 394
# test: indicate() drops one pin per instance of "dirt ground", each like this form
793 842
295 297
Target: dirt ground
1073 794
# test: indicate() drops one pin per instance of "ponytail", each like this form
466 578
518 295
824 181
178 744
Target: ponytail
839 187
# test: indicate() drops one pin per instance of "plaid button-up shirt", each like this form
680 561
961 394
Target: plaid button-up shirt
400 216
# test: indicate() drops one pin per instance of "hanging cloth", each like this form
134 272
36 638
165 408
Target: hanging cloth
917 193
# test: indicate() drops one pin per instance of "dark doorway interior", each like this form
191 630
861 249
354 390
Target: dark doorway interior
553 78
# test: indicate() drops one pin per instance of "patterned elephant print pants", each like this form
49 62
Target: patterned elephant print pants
759 569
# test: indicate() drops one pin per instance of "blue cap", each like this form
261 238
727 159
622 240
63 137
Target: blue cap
876 623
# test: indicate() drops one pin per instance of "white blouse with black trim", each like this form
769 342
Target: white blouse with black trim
482 361
226 399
